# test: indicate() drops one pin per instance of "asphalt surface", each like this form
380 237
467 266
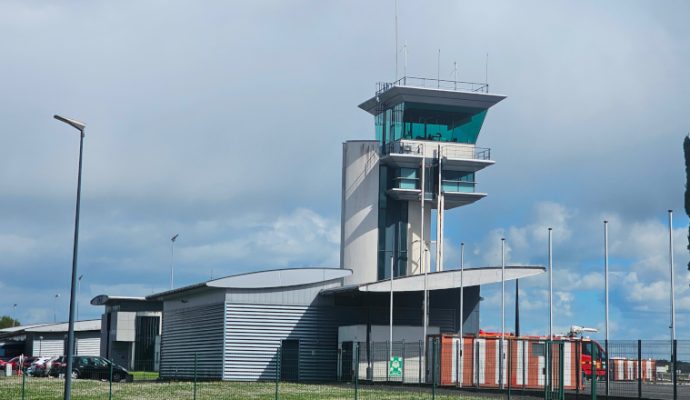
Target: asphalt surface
657 390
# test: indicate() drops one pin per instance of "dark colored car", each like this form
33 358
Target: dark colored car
55 367
93 367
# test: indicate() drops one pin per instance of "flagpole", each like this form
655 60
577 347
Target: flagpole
550 287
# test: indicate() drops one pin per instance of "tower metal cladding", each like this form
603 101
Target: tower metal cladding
423 162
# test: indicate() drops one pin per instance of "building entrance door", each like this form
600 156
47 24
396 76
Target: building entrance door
289 360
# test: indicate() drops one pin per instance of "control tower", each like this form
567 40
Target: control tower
398 187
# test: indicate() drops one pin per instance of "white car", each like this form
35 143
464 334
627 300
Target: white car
39 366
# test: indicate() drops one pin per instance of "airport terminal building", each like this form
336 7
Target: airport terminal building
396 190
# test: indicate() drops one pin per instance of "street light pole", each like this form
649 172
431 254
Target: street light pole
606 280
70 333
172 259
670 256
55 297
78 293
14 311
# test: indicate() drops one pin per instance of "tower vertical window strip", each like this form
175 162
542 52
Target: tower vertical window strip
383 203
439 215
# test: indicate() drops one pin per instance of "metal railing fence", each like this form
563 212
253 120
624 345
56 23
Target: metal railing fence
443 368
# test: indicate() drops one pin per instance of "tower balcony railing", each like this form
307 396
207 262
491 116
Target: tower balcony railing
448 150
402 147
434 83
468 152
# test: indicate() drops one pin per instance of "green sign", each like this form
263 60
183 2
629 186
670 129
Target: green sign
395 367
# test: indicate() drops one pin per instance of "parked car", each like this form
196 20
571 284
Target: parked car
26 363
56 366
38 367
93 367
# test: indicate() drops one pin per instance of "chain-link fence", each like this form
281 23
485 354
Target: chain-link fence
442 368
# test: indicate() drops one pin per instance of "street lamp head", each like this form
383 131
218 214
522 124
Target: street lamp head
74 123
80 276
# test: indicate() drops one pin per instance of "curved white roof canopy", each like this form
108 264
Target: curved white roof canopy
280 278
448 279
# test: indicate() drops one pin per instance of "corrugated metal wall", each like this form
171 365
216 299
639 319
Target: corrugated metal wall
188 331
48 347
253 334
89 346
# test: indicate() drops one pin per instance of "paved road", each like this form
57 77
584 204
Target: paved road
661 391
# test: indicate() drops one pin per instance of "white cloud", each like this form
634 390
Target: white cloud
301 237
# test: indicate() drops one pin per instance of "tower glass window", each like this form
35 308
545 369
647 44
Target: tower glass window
457 181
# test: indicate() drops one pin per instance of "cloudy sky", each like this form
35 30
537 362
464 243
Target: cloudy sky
223 122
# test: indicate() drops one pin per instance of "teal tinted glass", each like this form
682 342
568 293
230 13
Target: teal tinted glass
378 121
407 178
439 123
458 181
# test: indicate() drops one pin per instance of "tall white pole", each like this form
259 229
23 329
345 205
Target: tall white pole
673 291
172 259
422 194
439 216
390 318
405 63
396 41
426 308
462 308
503 308
606 280
438 70
462 286
422 245
550 288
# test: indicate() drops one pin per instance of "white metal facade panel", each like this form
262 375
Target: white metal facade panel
360 208
192 332
253 334
89 347
48 347
567 359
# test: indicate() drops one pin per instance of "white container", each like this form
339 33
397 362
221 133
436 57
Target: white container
8 369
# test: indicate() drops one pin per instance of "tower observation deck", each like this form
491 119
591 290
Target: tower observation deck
426 132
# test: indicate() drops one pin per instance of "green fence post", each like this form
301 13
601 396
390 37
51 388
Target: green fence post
277 397
388 347
195 374
639 368
434 365
23 380
356 369
593 370
510 366
421 351
110 384
545 372
561 370
606 377
404 366
674 359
